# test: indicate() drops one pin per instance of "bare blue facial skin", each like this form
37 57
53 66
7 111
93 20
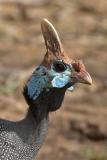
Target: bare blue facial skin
44 78
60 81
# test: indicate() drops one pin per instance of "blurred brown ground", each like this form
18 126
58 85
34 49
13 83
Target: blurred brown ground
78 131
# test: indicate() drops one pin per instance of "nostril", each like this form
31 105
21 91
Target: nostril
76 67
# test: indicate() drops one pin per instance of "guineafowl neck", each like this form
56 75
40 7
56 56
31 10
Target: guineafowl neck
32 131
38 113
48 101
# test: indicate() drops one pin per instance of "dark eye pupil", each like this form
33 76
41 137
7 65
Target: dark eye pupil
59 67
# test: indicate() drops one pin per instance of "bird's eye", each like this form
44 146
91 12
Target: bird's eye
59 66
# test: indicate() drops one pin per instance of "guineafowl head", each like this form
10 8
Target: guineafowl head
56 73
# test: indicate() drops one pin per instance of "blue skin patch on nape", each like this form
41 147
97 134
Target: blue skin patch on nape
37 83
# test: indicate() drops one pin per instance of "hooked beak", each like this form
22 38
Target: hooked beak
83 77
80 75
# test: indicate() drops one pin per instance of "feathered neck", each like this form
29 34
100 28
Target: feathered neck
48 101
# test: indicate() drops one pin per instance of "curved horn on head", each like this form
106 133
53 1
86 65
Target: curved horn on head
52 40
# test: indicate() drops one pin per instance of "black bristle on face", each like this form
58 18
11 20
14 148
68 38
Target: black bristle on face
26 96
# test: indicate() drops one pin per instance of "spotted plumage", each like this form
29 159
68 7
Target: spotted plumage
21 140
44 93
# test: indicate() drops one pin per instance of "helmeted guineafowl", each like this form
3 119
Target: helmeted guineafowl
44 92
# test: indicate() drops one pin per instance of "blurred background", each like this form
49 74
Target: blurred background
78 131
